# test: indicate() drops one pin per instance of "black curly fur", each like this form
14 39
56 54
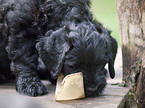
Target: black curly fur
60 32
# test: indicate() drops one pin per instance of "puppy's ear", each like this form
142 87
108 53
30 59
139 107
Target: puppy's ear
111 67
52 50
112 55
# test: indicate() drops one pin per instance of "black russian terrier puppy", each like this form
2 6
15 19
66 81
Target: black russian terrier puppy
63 35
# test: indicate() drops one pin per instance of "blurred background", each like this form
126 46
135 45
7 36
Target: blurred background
105 12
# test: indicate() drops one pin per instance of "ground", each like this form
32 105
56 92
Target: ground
111 97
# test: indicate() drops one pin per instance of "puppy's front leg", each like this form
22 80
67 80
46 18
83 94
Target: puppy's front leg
23 55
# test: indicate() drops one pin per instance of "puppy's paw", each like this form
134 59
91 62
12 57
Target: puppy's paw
30 87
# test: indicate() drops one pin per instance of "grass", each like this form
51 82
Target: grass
105 12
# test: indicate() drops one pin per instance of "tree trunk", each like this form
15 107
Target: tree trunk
135 98
140 86
131 15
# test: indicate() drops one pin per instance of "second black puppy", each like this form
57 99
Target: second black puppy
68 40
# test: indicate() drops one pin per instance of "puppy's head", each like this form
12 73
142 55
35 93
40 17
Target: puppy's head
80 48
89 53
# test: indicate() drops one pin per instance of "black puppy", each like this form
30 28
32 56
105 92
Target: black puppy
63 34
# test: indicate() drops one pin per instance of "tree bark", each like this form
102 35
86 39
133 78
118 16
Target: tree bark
131 15
140 87
135 98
